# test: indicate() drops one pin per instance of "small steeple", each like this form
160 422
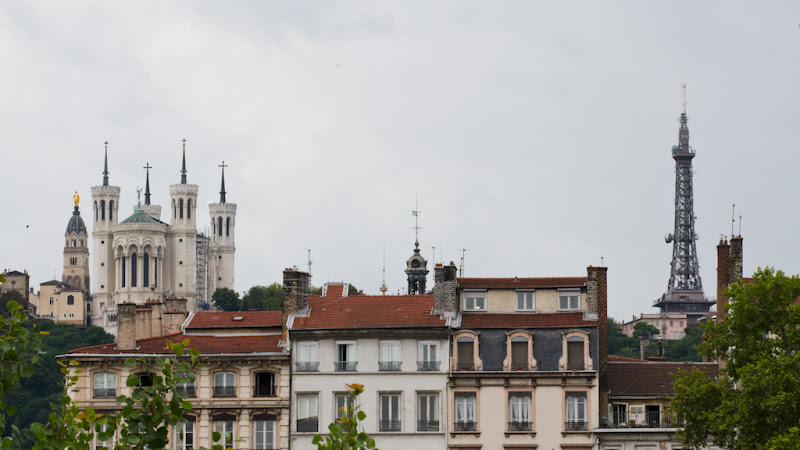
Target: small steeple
222 186
147 167
183 169
105 169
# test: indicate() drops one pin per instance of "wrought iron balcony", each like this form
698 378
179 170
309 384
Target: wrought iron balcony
390 425
267 390
651 419
307 367
427 425
574 425
190 391
345 366
224 391
105 393
465 426
520 426
390 366
428 366
308 425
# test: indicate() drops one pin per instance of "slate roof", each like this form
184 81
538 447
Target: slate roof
520 283
521 320
205 344
13 273
648 379
50 283
75 224
374 311
225 319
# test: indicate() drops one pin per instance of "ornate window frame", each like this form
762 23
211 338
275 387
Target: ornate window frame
510 336
587 359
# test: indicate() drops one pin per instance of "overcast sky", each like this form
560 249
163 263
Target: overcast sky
536 135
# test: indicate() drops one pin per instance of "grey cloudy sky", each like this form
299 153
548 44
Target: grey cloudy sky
536 135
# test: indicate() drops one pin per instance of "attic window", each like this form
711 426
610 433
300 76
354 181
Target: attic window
238 318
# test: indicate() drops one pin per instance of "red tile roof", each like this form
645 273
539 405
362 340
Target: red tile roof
373 311
648 379
518 320
334 290
226 319
520 283
205 344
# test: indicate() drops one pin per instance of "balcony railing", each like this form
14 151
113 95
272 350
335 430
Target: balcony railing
224 391
465 426
105 393
390 425
389 366
427 425
466 366
572 425
520 426
308 367
308 425
267 390
652 419
428 366
345 366
190 391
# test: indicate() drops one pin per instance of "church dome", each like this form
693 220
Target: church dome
76 224
139 216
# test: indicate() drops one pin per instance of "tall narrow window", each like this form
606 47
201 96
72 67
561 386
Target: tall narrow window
519 411
428 356
576 411
174 210
466 360
146 262
390 412
344 405
346 357
70 299
225 426
307 356
213 227
134 264
189 209
96 214
227 226
575 356
219 225
428 412
465 411
103 210
224 384
124 270
263 432
307 418
180 208
155 271
264 384
98 442
519 353
184 435
389 355
111 210
105 385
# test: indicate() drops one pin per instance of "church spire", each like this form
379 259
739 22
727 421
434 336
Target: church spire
105 169
147 167
183 169
222 186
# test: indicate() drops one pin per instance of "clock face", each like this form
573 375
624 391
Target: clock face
415 263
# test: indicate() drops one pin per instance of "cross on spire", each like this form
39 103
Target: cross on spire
105 169
183 169
147 167
222 187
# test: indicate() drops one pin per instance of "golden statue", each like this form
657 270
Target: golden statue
76 198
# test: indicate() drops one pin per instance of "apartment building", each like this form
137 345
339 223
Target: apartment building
393 345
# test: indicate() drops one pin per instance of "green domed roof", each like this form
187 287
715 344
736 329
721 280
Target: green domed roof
140 216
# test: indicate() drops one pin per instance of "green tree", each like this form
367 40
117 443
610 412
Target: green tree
11 295
343 434
226 299
685 349
264 298
755 402
644 330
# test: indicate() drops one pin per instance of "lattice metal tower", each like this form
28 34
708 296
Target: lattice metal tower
685 289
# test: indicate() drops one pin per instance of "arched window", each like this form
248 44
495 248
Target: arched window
123 270
264 384
575 353
146 270
103 210
95 211
213 226
155 271
227 226
80 242
519 351
174 211
189 209
180 208
111 210
70 300
133 269
219 225
466 351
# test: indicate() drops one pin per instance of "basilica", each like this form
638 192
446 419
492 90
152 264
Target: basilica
144 260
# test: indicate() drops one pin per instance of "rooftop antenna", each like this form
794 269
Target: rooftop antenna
461 270
415 212
683 98
383 288
733 221
740 224
433 260
601 260
309 261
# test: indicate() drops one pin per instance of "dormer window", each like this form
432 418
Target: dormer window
474 300
569 300
575 351
519 351
466 351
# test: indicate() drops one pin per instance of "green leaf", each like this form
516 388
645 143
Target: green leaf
130 362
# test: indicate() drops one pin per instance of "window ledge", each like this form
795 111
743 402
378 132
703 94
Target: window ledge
465 433
530 433
576 433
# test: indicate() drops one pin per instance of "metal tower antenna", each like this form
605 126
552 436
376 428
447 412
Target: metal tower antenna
433 258
415 212
309 261
461 269
740 225
685 289
733 221
383 288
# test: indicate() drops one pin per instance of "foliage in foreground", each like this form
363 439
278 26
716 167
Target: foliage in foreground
755 403
343 434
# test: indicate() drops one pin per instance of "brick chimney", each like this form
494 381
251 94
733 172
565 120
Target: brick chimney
597 278
175 313
295 295
144 321
736 259
445 283
723 275
126 326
